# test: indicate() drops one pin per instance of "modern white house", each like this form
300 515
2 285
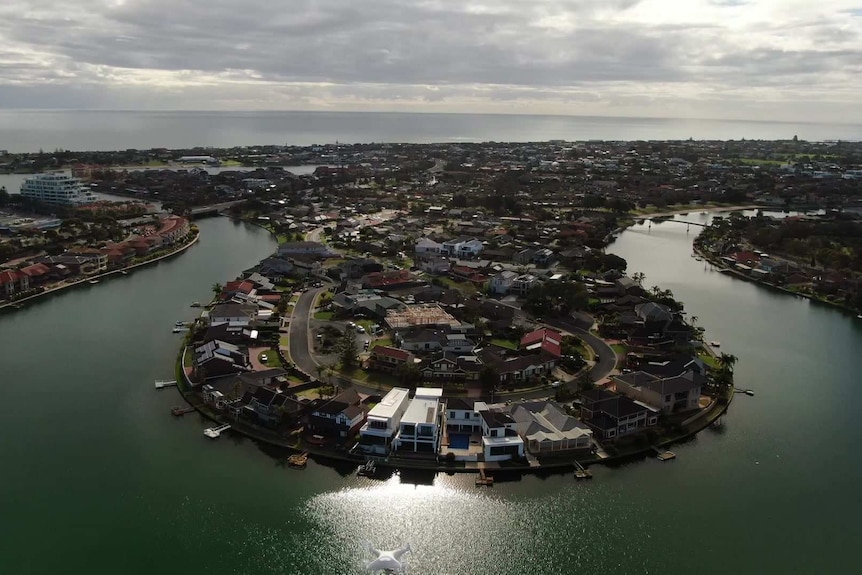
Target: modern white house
57 189
234 314
383 422
468 248
500 439
421 426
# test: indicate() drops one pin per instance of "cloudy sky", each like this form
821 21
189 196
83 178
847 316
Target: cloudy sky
745 59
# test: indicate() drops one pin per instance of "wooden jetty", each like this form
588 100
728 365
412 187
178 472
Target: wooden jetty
666 456
484 480
214 432
163 384
298 460
582 472
367 470
180 411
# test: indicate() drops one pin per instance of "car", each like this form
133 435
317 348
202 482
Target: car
360 329
351 325
264 358
557 383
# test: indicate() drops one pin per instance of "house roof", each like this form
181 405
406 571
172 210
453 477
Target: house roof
545 421
544 338
393 352
496 419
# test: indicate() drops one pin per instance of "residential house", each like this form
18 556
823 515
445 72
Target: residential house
427 246
669 394
269 407
547 429
502 282
611 415
218 358
383 422
235 334
522 284
514 366
420 428
543 339
302 248
276 267
12 282
449 366
341 416
462 416
500 439
233 313
463 248
388 359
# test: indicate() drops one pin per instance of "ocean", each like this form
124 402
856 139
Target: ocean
48 130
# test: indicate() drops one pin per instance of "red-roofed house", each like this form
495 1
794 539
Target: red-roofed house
385 358
38 273
545 339
173 229
749 259
12 282
388 280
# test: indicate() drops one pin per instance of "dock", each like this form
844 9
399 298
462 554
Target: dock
367 470
180 411
298 460
582 472
214 432
666 455
484 480
163 384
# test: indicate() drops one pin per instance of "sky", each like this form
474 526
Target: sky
727 59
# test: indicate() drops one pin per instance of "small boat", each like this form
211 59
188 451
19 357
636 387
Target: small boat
94 282
666 456
298 460
179 324
124 272
196 304
178 330
715 343
698 258
367 470
859 316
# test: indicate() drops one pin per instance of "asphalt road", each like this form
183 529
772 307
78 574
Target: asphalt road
299 333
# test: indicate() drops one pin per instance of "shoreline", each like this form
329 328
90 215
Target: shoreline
88 279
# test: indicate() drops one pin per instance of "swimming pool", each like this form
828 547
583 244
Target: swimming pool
459 441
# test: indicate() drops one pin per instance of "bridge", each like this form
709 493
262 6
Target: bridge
213 209
659 219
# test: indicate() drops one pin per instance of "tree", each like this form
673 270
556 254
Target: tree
347 350
408 374
726 361
489 377
217 289
639 277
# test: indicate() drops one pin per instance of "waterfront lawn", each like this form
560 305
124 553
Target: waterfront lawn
709 360
507 343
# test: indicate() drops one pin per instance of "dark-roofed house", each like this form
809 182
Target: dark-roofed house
233 313
516 367
235 334
670 394
611 415
341 416
500 439
218 358
269 407
302 248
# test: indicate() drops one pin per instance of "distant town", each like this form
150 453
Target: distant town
448 306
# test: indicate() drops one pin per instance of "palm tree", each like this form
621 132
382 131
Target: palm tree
726 361
217 288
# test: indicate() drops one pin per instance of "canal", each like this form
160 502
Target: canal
97 475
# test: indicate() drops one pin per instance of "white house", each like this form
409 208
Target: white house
547 428
523 283
500 439
383 421
502 282
234 314
427 246
462 416
461 248
421 425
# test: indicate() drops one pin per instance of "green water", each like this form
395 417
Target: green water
98 477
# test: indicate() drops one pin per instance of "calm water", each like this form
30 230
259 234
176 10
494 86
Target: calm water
98 477
30 131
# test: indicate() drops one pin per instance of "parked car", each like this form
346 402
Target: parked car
360 329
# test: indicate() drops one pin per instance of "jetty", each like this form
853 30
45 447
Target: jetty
161 384
298 460
180 411
664 455
367 470
582 472
214 432
484 480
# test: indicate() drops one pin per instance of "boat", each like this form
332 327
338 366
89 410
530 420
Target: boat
859 316
715 343
177 330
666 456
214 432
94 282
179 324
124 272
698 258
196 304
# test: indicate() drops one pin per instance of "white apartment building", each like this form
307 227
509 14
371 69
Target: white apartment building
57 189
382 424
421 426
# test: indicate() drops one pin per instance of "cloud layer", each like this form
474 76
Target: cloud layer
757 59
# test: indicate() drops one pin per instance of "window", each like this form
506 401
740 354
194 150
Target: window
452 414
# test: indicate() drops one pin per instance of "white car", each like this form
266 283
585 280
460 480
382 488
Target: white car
360 329
351 325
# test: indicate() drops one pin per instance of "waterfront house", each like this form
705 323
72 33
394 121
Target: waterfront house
235 334
316 249
12 282
234 314
500 439
218 358
420 428
669 394
462 416
549 430
383 422
270 407
611 415
341 416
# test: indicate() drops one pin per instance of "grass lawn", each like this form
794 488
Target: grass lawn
325 315
284 340
761 162
188 358
366 323
465 287
272 359
708 360
507 343
381 341
619 349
